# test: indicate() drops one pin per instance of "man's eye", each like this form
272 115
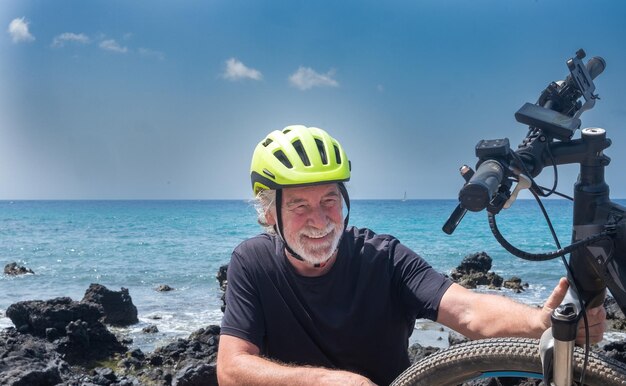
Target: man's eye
299 208
329 202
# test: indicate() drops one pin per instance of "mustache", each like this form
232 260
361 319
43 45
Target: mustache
316 232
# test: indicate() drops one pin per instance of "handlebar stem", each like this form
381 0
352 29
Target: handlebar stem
591 207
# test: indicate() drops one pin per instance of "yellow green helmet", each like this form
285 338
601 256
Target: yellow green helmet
298 156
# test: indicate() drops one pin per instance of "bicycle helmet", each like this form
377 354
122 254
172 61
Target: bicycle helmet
298 156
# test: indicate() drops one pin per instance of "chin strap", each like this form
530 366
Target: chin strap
278 227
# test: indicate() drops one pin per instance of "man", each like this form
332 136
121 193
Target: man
316 302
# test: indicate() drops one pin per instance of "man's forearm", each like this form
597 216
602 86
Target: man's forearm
246 369
478 315
499 316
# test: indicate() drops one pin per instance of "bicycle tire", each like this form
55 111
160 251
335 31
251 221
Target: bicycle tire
502 357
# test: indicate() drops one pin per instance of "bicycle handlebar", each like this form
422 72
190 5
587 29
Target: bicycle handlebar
477 193
554 117
596 66
598 250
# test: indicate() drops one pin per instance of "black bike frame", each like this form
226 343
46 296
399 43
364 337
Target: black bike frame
602 264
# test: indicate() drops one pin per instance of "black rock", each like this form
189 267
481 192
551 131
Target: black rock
614 314
197 374
417 352
36 317
73 327
164 288
474 271
475 262
188 361
616 350
29 360
456 338
104 376
515 284
137 354
222 276
12 269
116 306
151 329
85 343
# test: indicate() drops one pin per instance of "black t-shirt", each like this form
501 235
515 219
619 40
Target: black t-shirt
357 317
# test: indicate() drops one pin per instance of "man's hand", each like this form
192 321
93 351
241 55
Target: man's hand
596 316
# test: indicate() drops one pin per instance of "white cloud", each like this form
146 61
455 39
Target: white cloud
18 29
112 45
60 40
235 70
151 53
306 78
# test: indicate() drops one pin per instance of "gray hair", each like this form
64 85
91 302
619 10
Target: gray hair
264 203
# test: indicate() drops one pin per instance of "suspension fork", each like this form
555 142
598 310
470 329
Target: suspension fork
556 346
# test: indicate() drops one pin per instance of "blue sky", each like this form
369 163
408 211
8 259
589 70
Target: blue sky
167 99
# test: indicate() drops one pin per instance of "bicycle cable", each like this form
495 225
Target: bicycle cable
541 256
583 309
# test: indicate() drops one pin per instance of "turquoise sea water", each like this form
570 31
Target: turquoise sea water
143 244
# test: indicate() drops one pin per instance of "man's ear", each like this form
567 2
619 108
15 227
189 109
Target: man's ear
270 217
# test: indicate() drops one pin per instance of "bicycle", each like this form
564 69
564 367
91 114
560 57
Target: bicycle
597 252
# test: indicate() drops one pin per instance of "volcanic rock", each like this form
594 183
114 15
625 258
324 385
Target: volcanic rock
116 306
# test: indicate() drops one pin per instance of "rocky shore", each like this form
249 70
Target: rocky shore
65 342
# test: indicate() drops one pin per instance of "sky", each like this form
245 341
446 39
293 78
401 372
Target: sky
167 99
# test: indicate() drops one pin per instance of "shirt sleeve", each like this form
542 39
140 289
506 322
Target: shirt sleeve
420 286
243 316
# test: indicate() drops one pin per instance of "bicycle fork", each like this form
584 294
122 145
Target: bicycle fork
557 343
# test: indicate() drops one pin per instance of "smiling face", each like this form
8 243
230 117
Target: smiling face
313 221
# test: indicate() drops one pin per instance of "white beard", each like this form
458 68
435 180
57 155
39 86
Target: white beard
318 253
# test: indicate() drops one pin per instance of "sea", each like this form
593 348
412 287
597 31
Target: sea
140 245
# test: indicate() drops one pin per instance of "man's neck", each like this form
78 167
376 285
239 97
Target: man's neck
304 268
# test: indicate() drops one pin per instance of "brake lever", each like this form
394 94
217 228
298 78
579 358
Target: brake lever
459 212
523 182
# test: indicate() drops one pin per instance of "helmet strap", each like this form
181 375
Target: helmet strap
278 227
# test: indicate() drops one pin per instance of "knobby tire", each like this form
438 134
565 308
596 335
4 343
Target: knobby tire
471 360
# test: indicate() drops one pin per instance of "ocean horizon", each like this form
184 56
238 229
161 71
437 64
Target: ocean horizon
142 244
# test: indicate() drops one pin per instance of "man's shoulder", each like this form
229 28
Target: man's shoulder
263 241
365 236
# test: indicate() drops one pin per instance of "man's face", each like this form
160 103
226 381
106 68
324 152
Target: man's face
313 221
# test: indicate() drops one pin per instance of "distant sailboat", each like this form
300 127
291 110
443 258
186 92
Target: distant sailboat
404 198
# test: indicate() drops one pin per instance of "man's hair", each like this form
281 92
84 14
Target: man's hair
264 202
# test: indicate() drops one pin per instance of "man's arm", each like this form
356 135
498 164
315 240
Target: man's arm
239 363
478 315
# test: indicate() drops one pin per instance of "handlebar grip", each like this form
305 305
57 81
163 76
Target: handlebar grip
595 66
477 193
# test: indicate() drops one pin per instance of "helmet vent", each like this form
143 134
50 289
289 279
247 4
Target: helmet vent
268 173
283 158
337 154
300 150
267 142
322 151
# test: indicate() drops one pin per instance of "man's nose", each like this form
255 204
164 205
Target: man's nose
318 218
